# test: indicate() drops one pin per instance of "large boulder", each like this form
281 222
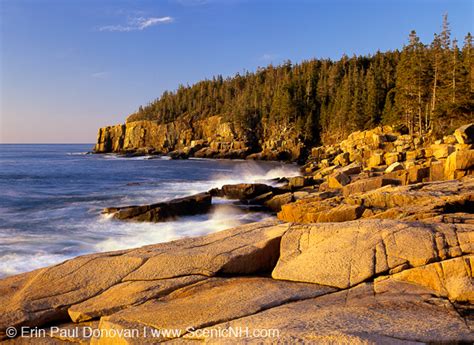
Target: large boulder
345 254
351 169
418 173
451 278
309 210
190 205
376 159
458 163
338 179
441 150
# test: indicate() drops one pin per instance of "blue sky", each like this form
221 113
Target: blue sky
69 67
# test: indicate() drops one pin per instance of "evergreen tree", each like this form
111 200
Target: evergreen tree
426 87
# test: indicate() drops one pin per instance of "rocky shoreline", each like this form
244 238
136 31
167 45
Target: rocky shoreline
374 243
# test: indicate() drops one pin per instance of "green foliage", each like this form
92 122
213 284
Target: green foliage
425 87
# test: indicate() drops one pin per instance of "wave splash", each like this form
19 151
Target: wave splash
64 205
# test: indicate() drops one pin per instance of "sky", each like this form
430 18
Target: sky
68 67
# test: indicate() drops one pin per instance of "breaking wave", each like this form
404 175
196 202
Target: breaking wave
46 220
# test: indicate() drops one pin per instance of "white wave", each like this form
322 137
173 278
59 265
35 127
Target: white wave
92 232
16 263
131 235
253 172
77 153
116 156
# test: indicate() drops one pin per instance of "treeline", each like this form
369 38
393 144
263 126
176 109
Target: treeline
428 88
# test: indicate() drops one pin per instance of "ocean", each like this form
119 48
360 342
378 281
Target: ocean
51 198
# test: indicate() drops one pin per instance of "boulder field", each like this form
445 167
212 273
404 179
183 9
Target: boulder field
367 248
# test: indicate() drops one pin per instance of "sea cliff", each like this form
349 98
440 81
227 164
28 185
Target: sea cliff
211 137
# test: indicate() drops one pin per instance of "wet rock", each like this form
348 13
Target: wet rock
179 154
261 199
159 212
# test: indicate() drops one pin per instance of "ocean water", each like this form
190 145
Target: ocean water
51 197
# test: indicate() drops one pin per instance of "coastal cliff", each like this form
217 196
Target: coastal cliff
211 137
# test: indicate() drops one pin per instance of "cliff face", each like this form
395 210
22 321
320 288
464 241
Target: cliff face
209 138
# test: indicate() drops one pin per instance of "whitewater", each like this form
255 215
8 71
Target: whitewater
52 196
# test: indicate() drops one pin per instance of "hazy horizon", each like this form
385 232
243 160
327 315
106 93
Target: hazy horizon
68 68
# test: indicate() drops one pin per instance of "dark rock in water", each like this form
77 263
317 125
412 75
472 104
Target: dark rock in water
178 154
216 192
279 180
190 205
245 191
259 200
133 184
